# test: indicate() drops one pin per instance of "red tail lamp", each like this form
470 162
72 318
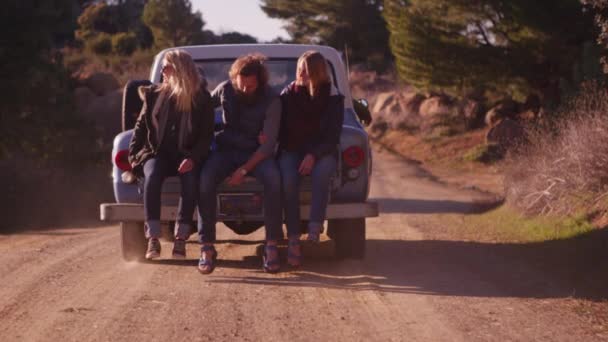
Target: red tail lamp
353 156
122 160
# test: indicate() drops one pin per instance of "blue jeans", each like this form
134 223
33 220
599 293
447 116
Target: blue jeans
221 164
155 172
323 169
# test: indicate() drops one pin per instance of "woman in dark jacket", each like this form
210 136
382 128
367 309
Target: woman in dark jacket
171 137
311 124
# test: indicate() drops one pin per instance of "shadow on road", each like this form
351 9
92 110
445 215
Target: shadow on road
419 206
554 269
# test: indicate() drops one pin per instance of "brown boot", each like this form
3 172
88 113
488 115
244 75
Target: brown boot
153 251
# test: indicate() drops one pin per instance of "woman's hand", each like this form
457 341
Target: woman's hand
262 138
307 164
186 166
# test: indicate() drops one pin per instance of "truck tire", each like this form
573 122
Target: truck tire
131 103
133 241
348 236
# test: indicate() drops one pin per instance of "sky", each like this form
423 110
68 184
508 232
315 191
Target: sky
244 16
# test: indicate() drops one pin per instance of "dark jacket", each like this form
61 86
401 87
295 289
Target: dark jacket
243 123
194 136
327 139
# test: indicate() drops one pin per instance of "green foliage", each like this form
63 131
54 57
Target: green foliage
124 43
512 47
95 18
506 224
235 38
172 23
483 153
117 17
600 10
353 24
100 44
36 116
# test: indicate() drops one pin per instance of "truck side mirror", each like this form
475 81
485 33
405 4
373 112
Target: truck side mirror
361 107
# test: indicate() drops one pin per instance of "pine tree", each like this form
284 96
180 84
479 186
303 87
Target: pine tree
512 47
173 23
353 24
600 9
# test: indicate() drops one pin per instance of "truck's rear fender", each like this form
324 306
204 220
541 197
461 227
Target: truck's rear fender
353 189
123 192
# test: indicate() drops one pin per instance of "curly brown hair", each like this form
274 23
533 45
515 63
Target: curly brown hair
250 65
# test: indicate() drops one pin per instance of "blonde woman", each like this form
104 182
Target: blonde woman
172 137
311 124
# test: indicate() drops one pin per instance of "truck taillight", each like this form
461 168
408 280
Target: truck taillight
353 156
122 160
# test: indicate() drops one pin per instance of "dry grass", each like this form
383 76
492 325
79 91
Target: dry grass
564 167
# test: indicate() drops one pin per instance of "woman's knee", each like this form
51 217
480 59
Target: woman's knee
205 183
272 179
289 180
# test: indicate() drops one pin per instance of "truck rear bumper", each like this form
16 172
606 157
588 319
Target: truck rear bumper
125 212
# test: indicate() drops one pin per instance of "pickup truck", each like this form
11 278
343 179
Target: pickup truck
239 207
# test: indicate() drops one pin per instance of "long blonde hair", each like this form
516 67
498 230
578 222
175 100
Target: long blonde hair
316 69
185 81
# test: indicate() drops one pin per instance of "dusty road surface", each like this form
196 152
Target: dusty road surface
71 285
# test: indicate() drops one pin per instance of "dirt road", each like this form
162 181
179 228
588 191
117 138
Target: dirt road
71 285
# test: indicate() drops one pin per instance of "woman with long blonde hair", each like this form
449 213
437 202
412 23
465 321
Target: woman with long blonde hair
172 137
311 124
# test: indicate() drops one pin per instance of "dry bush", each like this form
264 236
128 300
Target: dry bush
564 166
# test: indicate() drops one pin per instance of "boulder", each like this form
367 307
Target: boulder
379 128
82 98
436 106
397 109
505 134
505 109
470 110
411 102
382 101
101 83
528 115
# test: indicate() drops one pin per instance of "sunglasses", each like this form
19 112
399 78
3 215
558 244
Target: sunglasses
164 67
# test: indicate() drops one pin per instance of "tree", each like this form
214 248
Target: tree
36 117
514 47
353 24
600 10
172 23
112 18
236 38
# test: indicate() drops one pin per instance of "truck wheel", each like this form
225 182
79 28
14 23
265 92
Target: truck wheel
133 241
349 237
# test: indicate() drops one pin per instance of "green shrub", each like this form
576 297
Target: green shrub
485 153
124 43
100 44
